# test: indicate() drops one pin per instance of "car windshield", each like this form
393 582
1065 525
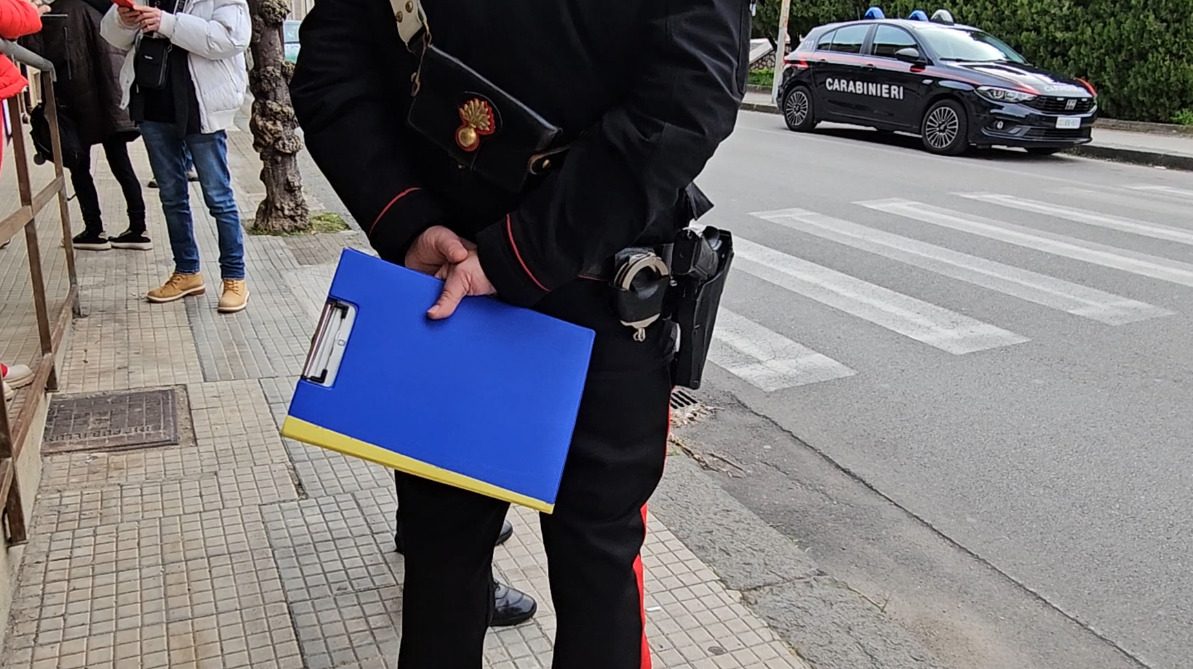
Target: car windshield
290 31
970 46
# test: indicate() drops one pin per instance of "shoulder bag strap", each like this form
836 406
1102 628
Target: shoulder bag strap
412 23
411 19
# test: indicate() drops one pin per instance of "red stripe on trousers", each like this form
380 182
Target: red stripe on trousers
638 570
642 600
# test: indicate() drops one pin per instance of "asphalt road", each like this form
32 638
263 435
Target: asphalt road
1000 344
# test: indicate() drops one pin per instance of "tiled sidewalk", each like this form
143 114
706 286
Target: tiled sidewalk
238 548
19 342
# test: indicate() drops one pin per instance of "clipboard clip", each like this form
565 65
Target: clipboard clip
329 343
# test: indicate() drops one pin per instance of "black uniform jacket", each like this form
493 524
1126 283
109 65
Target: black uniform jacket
644 90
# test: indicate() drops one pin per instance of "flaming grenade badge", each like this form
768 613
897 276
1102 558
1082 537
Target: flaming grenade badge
476 120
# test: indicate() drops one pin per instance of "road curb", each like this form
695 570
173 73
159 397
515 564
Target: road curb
1112 153
756 107
1142 126
827 623
1133 156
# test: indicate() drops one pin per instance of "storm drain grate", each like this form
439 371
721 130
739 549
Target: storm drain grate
112 421
686 409
682 399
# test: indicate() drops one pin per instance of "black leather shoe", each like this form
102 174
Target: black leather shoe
507 531
510 606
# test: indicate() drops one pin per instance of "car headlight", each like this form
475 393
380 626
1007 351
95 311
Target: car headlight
1004 94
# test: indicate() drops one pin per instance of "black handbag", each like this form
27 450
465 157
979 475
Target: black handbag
152 63
483 128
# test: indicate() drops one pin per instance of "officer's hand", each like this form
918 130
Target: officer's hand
436 248
461 280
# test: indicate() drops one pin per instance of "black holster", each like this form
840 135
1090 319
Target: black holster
699 264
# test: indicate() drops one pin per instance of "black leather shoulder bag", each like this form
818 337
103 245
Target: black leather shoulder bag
151 65
482 127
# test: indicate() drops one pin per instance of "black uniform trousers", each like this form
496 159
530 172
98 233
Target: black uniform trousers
592 539
116 151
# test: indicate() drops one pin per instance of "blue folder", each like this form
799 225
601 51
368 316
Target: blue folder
485 400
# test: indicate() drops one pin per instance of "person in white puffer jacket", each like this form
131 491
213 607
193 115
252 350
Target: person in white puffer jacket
189 104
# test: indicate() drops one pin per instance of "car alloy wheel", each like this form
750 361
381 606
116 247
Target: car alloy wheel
796 108
799 111
941 127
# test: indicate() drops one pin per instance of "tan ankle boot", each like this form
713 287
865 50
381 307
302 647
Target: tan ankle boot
235 296
177 287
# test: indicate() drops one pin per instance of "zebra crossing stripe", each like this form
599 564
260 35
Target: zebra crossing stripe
1087 217
1134 201
1020 283
767 360
1142 264
927 323
1182 193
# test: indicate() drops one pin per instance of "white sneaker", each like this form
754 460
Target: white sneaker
17 376
8 391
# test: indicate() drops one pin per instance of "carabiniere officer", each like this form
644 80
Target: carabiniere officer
632 98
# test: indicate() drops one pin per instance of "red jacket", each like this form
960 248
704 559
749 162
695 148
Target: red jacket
17 19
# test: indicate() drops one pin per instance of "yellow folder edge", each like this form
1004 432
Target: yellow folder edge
309 433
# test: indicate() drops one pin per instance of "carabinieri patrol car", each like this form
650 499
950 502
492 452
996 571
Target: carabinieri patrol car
954 85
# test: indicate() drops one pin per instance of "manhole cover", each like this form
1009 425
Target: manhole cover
112 421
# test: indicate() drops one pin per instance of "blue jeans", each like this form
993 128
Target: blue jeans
167 156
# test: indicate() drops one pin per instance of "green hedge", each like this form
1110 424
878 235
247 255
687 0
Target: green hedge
1138 53
762 78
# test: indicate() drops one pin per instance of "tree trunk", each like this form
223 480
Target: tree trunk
274 126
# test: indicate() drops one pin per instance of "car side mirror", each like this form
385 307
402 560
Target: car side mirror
911 55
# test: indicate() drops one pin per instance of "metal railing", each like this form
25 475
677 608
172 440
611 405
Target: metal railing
51 327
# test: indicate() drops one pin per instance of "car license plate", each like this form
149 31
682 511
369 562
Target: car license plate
1068 122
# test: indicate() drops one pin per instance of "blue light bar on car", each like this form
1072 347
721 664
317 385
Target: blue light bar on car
874 13
918 15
